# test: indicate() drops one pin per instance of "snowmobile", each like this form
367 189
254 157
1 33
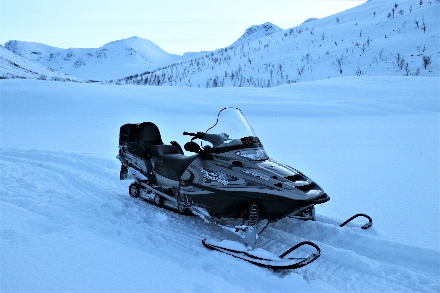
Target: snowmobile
229 180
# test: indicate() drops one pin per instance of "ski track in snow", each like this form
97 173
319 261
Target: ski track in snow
51 197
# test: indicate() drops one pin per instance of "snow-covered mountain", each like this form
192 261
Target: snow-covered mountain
15 66
252 33
375 38
310 19
256 32
117 58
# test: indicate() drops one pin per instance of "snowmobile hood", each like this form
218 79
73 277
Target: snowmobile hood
290 179
236 155
227 171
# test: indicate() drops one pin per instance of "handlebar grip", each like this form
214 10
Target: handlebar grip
200 135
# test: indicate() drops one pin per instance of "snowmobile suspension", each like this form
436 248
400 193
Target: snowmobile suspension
254 213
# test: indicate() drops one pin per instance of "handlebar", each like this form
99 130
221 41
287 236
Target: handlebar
199 135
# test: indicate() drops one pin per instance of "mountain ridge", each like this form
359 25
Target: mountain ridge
255 32
123 56
375 38
16 66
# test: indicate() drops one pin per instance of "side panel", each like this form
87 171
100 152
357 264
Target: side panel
225 190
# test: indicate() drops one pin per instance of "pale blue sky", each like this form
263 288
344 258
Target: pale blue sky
176 26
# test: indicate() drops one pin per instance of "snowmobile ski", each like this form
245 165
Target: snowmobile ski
365 226
263 258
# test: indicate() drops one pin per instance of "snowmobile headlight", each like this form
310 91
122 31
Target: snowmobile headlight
253 154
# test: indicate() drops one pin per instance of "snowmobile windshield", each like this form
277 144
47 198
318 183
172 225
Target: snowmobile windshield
233 132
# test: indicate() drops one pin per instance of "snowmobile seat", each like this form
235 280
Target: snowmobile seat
169 162
147 136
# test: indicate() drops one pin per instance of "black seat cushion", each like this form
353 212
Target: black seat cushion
169 162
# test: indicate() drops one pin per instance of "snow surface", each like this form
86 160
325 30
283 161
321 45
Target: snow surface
68 223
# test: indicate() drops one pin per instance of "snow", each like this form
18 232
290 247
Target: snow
68 223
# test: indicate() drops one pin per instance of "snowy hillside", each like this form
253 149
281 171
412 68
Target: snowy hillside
68 224
114 59
14 66
252 33
396 38
256 32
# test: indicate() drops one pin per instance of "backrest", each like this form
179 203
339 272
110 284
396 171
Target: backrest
148 134
127 134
